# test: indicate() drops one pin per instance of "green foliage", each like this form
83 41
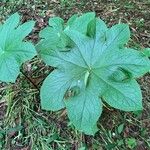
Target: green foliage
131 143
146 52
92 64
13 50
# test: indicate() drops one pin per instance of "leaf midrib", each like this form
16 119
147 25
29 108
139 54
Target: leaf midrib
56 56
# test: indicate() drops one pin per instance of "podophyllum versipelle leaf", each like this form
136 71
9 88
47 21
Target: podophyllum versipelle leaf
95 67
13 50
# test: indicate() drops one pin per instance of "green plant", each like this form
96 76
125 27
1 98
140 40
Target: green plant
146 52
92 66
131 143
13 50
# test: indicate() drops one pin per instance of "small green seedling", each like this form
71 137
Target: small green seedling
92 57
13 50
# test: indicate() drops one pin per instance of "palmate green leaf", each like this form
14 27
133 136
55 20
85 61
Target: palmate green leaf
53 36
96 67
13 50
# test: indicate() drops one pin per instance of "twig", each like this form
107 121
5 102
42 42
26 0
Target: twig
30 81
